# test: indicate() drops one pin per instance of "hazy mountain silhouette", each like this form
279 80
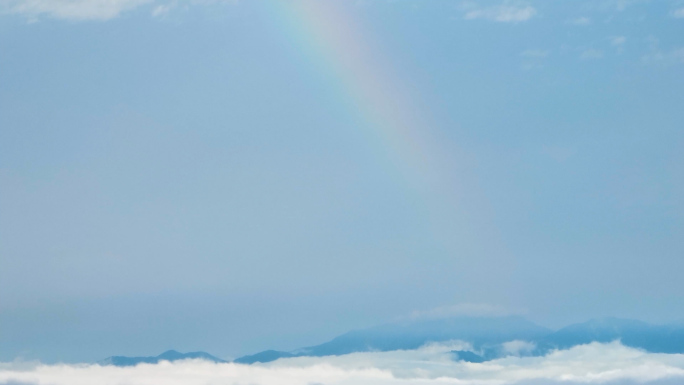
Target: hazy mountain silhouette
411 335
479 331
632 333
170 355
487 336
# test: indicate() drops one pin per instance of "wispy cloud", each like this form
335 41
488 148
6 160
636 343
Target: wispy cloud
433 364
618 40
534 53
610 6
591 53
673 56
71 9
662 56
580 21
162 10
678 13
622 5
504 13
533 59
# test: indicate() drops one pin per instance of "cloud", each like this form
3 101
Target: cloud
622 5
594 363
590 54
674 56
611 6
533 59
71 9
518 348
534 53
504 13
678 13
580 21
618 40
162 10
78 10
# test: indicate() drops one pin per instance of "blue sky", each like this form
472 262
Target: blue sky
185 175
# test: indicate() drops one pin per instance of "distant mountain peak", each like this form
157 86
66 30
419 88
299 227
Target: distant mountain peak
169 355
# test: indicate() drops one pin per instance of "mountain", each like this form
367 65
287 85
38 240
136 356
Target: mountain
632 333
468 356
479 331
411 335
265 356
488 337
170 355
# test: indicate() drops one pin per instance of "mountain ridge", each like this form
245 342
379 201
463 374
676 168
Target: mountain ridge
486 335
169 355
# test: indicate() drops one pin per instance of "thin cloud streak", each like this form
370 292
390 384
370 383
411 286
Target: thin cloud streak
503 13
71 9
580 21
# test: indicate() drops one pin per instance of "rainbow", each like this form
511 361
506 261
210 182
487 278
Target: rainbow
328 33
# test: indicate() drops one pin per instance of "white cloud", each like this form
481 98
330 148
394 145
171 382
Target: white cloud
678 13
505 13
71 9
594 363
518 348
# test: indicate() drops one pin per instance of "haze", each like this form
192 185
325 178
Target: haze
221 176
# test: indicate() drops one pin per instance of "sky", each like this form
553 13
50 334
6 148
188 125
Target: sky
234 176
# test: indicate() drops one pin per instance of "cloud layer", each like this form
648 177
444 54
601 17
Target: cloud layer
594 363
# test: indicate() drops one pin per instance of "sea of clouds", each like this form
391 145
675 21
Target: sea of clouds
433 364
